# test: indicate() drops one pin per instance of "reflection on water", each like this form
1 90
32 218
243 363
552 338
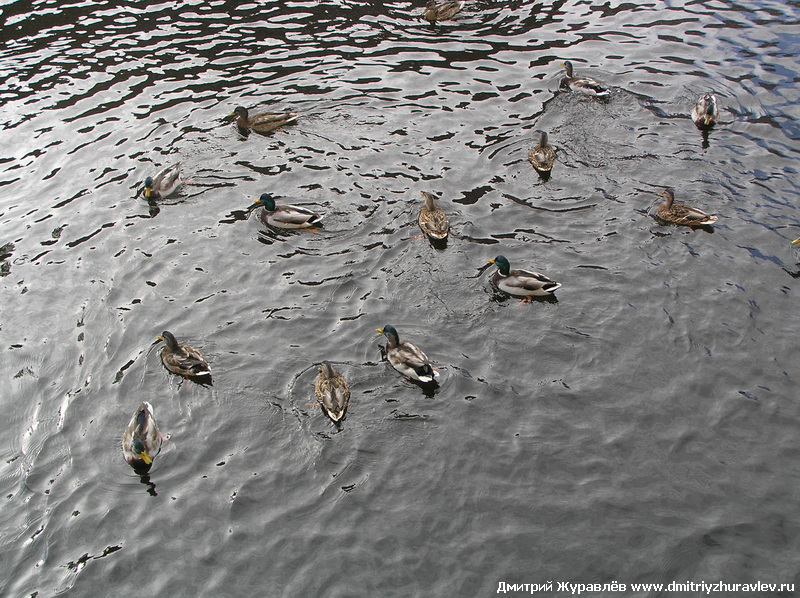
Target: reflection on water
638 428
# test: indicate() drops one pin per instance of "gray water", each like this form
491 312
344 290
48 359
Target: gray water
642 427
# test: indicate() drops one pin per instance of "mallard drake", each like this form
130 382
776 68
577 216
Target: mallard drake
164 183
333 392
182 359
583 84
543 155
264 121
432 220
406 358
680 213
441 10
521 283
286 216
704 113
141 441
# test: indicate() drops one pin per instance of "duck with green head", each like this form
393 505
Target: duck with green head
704 113
286 216
407 358
182 359
164 183
141 440
332 390
263 122
521 283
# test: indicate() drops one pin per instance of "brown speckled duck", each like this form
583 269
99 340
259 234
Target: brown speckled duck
583 84
432 219
332 391
681 213
263 122
542 156
441 10
182 359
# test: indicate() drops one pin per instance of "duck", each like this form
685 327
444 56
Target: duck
680 213
164 183
263 122
542 156
704 113
521 283
432 219
583 84
407 358
141 440
182 359
332 390
441 10
286 216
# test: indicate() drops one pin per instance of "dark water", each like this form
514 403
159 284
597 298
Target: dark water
641 428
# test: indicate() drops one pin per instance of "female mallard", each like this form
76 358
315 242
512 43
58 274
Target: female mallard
264 121
407 358
521 283
583 84
286 216
432 220
164 183
680 213
182 359
141 441
542 156
333 392
441 10
704 113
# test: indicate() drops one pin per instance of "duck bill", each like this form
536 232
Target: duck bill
796 241
147 192
146 458
708 120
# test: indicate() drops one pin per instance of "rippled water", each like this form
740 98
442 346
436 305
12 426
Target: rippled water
640 428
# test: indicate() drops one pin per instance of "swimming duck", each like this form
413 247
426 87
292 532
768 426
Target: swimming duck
182 359
264 121
332 390
441 10
583 84
286 216
141 441
521 283
704 113
406 358
164 183
542 156
680 213
432 220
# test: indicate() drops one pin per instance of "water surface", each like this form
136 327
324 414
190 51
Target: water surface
639 428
